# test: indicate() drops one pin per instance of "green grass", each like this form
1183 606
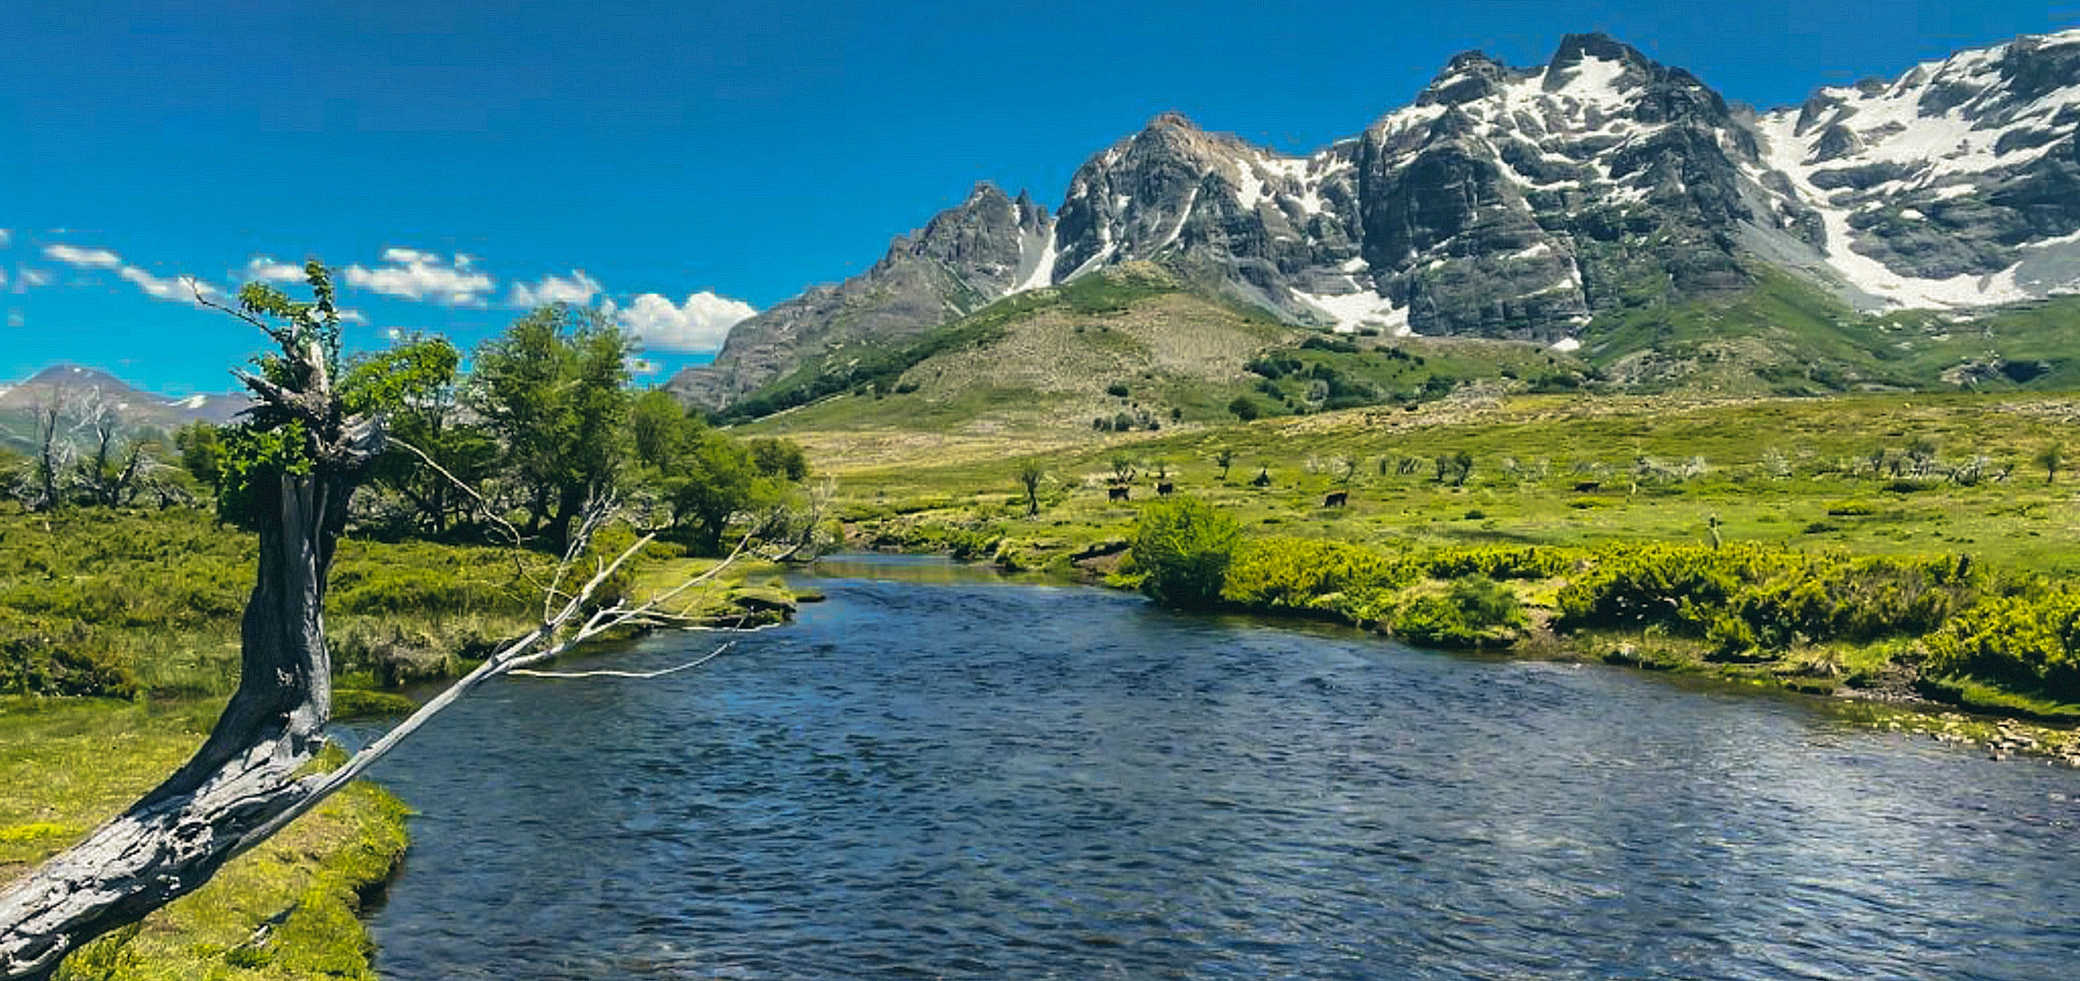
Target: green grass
152 599
1786 336
1779 472
68 764
1558 443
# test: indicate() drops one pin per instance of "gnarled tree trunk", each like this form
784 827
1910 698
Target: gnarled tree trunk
175 838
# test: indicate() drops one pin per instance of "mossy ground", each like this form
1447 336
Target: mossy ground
286 910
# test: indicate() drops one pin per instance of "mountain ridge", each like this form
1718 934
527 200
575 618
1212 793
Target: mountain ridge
1522 203
77 388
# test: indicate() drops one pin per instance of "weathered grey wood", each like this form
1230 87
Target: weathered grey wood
242 786
177 836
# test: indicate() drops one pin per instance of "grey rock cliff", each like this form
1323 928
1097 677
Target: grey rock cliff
1520 202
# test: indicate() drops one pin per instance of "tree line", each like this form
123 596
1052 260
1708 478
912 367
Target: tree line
543 421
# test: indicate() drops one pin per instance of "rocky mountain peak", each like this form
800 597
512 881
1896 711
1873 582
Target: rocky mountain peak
1469 76
1520 202
1171 119
1595 44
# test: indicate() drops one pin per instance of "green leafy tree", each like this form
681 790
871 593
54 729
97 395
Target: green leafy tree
420 378
1183 546
779 458
201 450
553 389
1244 408
2051 458
705 477
1224 458
1029 474
1122 468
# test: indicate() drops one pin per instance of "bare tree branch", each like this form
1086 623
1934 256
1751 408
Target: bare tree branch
639 675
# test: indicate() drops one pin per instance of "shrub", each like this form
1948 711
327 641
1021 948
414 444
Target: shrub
1781 597
1183 546
1475 612
2031 639
1244 408
1499 562
69 660
1313 574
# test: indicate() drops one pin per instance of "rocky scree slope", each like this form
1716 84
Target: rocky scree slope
1521 203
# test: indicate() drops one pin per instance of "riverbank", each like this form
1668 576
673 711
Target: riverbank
1553 605
286 911
119 644
1847 512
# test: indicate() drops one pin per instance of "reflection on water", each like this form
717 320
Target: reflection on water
988 781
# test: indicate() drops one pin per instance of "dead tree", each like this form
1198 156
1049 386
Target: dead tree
243 785
110 472
51 455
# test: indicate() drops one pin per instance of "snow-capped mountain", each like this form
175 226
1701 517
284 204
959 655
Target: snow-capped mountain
1957 184
80 391
1522 202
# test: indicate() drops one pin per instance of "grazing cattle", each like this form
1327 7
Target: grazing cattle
1165 488
1336 499
1585 486
1262 479
1115 493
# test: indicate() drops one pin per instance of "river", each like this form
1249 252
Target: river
977 779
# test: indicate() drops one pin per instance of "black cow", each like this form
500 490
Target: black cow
1165 488
1336 499
1115 493
1585 486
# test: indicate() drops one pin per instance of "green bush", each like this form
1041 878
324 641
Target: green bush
1499 562
1780 598
2031 639
1475 612
1183 546
1312 574
36 659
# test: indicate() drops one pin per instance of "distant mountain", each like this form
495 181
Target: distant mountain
75 387
1524 203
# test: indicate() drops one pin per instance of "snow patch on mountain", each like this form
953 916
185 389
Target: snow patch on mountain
1352 311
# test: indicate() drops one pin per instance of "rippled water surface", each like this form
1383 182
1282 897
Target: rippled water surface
977 780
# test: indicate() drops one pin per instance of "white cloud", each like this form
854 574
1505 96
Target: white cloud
265 268
6 238
353 316
15 318
3 277
176 289
77 257
416 275
26 278
699 324
578 289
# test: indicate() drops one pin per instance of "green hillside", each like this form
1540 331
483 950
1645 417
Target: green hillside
1131 349
1788 337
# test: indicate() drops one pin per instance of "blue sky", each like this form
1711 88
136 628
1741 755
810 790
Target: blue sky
459 153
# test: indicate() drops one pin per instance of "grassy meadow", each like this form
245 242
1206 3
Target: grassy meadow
1854 496
118 645
286 910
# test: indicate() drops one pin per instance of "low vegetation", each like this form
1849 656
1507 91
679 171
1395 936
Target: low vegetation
1889 546
122 622
287 910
